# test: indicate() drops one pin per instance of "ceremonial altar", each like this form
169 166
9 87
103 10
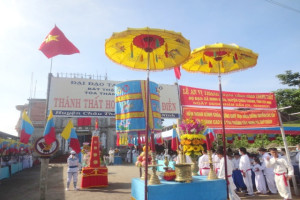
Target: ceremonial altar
199 188
94 175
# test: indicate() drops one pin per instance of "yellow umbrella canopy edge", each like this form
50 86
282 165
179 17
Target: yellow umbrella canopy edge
229 57
125 48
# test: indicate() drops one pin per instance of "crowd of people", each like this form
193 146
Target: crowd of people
267 172
8 160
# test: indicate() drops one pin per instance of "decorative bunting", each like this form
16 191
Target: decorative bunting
271 137
239 136
250 138
210 65
234 61
229 138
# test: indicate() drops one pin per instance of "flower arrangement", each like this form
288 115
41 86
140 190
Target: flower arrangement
192 137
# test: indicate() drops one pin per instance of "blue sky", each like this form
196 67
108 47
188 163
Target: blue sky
269 30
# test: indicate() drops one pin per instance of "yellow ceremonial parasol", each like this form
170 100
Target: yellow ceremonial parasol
220 59
148 49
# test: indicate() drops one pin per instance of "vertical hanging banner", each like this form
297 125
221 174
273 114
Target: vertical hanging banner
200 97
131 107
233 118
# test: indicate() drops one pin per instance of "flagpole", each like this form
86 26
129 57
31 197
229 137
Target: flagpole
45 160
51 66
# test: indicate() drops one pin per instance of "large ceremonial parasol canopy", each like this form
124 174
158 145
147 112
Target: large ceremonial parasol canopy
220 59
147 49
151 50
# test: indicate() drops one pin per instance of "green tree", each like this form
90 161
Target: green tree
288 97
289 78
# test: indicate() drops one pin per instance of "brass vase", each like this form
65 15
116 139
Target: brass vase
166 162
154 180
183 173
195 167
211 175
143 175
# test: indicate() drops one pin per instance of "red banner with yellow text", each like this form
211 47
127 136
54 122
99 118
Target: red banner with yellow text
201 97
233 118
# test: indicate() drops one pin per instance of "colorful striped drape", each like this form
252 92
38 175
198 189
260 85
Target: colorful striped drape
130 111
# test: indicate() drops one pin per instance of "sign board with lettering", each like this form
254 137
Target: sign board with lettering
77 97
202 97
233 118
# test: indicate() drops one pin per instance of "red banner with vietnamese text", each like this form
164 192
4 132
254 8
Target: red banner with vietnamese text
201 97
233 118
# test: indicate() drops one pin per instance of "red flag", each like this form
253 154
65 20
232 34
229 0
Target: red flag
177 72
49 132
74 142
208 142
84 121
56 43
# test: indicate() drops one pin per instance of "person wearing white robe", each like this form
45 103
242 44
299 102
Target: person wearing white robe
73 164
259 177
128 155
245 167
111 154
297 157
268 172
203 164
231 185
216 163
283 173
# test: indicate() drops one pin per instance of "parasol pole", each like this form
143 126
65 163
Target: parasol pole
147 128
179 120
223 128
287 150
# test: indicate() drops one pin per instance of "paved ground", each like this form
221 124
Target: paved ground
25 185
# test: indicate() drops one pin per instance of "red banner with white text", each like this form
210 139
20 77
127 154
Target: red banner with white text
233 118
201 97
